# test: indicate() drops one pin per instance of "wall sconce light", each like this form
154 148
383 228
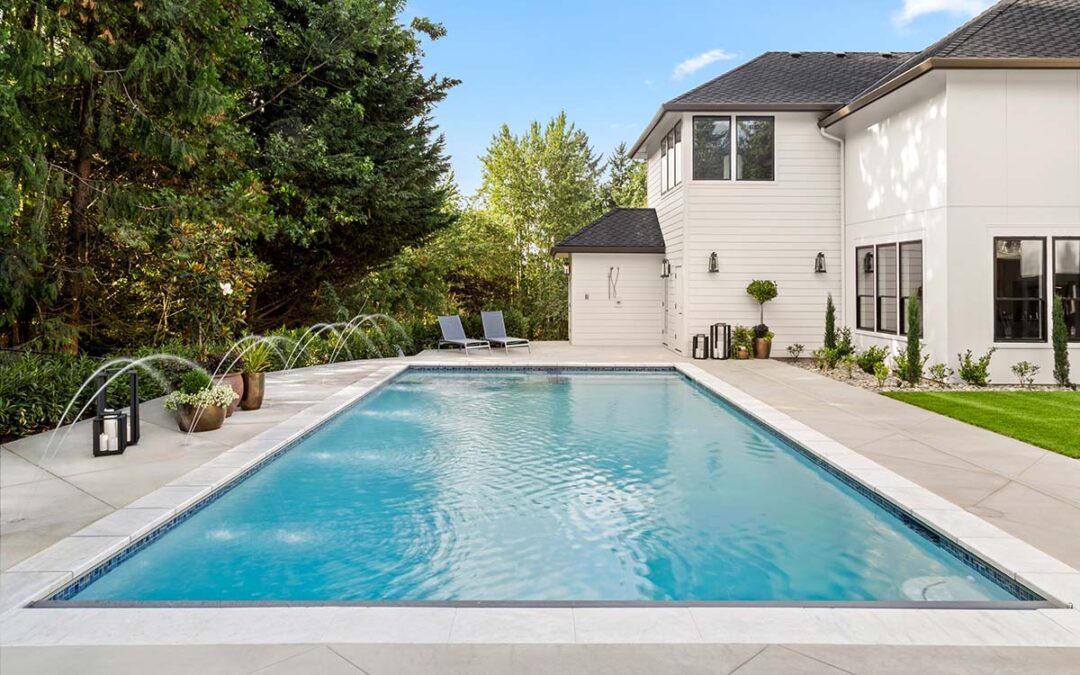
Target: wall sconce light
665 268
714 262
868 263
819 263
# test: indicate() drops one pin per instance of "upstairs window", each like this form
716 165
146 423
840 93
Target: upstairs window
671 158
1067 282
712 148
756 142
1019 280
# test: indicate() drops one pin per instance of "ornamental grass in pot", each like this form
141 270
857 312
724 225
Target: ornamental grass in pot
199 404
228 369
256 363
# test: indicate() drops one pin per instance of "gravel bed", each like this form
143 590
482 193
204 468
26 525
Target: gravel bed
861 379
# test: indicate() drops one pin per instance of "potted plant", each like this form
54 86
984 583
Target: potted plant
762 291
741 339
256 363
229 370
199 404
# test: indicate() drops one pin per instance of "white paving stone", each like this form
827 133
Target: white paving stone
72 555
513 625
631 625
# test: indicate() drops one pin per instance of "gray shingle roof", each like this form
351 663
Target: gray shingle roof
822 80
1016 29
617 231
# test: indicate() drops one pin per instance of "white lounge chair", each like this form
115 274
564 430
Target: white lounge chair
495 332
453 334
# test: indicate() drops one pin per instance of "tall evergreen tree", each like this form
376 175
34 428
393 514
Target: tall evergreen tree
346 145
625 186
1059 336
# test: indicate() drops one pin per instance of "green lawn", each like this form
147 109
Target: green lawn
1048 419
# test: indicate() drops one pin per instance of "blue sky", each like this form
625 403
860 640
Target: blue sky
611 63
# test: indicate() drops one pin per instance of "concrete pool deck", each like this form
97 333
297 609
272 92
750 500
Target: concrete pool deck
1027 492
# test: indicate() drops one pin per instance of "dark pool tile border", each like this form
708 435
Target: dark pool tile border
63 597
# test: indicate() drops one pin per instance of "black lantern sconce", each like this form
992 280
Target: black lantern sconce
566 266
714 263
868 263
114 430
819 263
665 268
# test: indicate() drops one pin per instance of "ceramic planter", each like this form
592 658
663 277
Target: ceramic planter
236 381
742 353
188 418
254 387
762 348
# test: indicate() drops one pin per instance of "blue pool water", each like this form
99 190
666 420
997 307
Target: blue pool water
533 485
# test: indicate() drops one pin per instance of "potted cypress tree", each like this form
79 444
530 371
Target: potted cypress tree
762 290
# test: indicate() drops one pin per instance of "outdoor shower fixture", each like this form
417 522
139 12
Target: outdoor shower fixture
819 263
114 430
613 283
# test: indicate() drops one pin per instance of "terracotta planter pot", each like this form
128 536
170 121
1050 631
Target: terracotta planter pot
236 381
254 387
188 418
762 348
742 353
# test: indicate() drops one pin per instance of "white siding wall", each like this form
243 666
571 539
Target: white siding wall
895 190
766 230
630 314
670 212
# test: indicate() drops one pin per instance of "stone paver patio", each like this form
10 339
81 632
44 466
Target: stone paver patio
1031 493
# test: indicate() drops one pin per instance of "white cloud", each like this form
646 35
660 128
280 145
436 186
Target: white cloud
696 63
913 9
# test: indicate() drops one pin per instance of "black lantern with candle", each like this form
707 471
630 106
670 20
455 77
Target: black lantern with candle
114 430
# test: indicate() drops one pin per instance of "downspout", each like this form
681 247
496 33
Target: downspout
843 228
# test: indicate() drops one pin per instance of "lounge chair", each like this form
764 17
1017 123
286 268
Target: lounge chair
495 332
453 334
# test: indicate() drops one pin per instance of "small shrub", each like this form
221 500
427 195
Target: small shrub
848 362
844 345
830 323
905 370
939 372
1059 336
975 371
914 360
869 359
881 372
825 359
194 381
1025 371
796 351
742 336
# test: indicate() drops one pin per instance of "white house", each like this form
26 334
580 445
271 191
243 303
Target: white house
952 174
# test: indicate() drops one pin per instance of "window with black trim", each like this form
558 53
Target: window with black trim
886 274
1067 282
1019 295
712 148
671 158
864 288
756 148
911 282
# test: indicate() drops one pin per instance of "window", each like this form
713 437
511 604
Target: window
1067 282
712 148
1019 280
755 146
864 288
671 158
911 282
885 269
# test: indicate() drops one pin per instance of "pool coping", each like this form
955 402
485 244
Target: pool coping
51 570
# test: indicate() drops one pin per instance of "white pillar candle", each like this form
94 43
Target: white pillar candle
103 441
110 427
114 444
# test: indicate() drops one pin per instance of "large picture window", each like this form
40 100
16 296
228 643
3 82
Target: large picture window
911 282
671 158
712 148
864 288
755 144
1019 283
887 286
1067 282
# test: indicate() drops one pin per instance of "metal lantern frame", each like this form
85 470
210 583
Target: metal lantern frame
127 423
714 263
819 263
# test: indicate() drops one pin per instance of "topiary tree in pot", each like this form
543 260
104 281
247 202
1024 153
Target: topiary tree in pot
762 290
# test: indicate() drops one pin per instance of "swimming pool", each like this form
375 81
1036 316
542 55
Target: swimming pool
539 485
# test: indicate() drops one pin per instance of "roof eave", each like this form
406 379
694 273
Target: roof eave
721 107
606 249
944 63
